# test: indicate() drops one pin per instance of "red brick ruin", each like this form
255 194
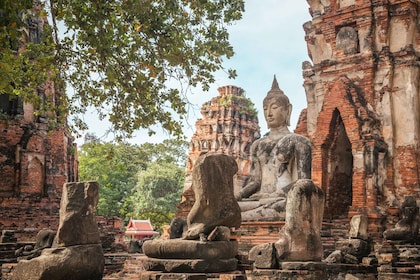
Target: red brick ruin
35 160
363 114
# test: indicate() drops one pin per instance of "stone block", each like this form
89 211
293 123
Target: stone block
190 265
356 247
78 224
312 266
358 227
263 256
190 249
76 263
334 257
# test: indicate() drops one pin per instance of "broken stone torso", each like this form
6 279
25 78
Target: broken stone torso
205 245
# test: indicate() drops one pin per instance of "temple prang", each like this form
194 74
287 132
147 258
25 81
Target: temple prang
229 125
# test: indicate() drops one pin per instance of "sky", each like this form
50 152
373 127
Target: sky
269 40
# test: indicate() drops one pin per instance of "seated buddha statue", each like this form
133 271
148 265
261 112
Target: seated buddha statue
278 160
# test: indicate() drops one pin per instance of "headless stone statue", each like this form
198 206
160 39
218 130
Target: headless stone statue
215 203
44 239
277 161
407 229
206 245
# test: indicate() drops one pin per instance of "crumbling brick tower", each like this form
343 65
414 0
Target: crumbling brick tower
229 126
35 160
363 113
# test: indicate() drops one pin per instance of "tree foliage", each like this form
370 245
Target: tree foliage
130 175
158 192
122 57
28 59
114 167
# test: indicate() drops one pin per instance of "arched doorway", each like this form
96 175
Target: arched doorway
337 170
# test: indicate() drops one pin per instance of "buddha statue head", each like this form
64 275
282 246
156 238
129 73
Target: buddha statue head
277 108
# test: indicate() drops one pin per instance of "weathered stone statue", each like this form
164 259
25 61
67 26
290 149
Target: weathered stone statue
44 239
76 252
178 227
281 172
215 203
278 160
407 229
205 245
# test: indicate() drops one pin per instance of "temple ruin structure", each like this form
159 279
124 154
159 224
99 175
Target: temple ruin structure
229 125
363 114
35 159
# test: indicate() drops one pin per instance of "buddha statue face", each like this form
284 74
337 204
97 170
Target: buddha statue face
277 112
277 108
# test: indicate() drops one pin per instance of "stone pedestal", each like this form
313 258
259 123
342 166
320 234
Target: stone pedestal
190 249
291 271
190 256
190 265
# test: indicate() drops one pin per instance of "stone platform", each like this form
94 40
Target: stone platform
190 265
135 264
397 260
314 271
292 271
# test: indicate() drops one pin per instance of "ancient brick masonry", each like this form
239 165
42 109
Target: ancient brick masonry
363 115
34 164
35 160
229 126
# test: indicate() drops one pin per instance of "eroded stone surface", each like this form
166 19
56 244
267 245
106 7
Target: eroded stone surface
190 249
190 265
63 263
77 215
215 203
76 252
358 227
278 160
300 238
263 256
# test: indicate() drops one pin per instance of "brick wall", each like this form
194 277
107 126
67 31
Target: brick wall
35 162
364 72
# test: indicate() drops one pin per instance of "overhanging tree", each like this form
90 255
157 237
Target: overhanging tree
122 57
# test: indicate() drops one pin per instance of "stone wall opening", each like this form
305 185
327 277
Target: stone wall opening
10 106
337 170
347 39
36 176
